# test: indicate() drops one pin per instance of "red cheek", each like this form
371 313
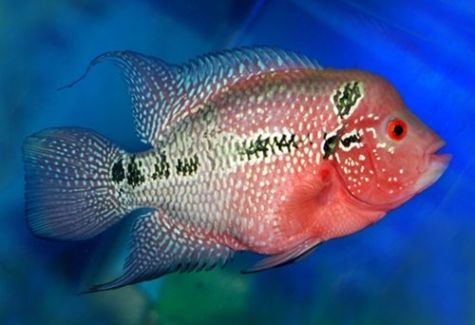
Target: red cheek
325 175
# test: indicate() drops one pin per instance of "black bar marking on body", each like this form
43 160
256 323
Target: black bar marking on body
161 167
353 138
346 99
118 172
187 166
330 145
265 146
284 143
134 177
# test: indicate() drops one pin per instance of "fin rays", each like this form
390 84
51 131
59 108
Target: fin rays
162 94
57 204
300 251
160 244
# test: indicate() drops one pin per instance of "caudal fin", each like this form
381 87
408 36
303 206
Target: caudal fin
69 191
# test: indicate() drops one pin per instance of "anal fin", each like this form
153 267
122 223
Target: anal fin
160 244
300 251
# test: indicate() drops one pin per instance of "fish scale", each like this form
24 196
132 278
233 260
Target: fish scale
233 167
252 149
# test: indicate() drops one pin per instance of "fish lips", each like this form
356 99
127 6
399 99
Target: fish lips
436 166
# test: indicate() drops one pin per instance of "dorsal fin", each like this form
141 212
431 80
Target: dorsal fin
162 94
152 88
206 75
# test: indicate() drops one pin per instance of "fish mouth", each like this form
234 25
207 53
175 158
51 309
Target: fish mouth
436 166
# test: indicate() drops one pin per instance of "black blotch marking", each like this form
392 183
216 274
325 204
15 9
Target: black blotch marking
346 99
187 166
134 177
162 167
267 146
329 146
283 142
347 141
118 172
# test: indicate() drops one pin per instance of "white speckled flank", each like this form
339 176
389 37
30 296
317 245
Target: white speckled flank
238 159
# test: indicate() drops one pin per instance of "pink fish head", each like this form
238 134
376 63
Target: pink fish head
388 155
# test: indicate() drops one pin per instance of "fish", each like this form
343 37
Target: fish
253 149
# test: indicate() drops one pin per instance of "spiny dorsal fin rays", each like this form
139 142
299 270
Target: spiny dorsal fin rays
242 62
163 94
160 244
206 75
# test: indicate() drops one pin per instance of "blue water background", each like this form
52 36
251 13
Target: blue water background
416 266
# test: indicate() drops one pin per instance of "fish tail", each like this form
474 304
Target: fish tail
69 189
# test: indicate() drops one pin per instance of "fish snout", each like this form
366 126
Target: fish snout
436 164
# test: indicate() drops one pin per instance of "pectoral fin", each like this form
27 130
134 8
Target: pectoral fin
296 253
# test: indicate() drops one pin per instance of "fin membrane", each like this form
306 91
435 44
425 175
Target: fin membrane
152 87
68 189
298 252
160 245
162 94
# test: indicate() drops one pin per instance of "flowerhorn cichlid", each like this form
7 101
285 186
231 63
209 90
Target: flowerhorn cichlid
252 149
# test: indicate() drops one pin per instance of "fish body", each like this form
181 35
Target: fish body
253 149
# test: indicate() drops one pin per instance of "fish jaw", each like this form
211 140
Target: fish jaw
436 166
432 169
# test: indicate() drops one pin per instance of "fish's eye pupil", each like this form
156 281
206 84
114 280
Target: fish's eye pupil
398 130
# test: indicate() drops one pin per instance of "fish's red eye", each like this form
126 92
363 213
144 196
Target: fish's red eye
397 129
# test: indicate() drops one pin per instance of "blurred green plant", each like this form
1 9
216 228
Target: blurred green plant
214 297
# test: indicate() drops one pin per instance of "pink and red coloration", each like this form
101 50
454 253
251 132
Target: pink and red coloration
302 196
253 149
